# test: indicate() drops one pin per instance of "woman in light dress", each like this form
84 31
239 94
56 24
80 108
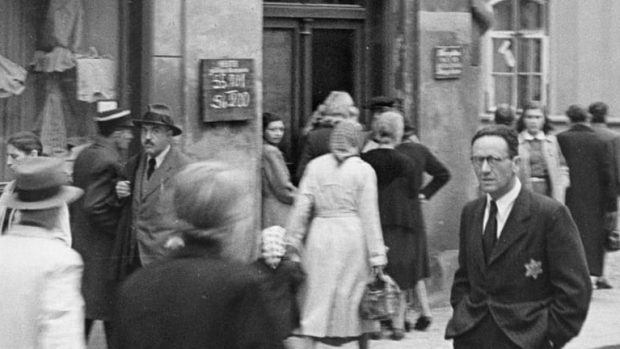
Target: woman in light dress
335 224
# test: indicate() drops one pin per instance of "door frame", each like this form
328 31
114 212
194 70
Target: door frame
302 19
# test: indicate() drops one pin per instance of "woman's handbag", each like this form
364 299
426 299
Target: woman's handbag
613 240
381 299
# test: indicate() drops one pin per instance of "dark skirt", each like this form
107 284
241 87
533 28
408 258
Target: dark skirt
407 256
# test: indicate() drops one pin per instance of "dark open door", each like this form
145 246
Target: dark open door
308 51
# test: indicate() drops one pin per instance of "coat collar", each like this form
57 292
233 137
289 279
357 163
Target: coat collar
581 127
161 175
514 228
106 143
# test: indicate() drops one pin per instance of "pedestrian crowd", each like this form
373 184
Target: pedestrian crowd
141 244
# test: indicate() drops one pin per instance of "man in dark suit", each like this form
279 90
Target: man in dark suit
598 110
522 280
591 196
148 220
96 214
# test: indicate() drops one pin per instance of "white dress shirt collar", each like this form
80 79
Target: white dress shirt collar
539 136
159 159
504 206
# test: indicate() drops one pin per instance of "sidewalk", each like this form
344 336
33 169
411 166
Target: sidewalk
601 329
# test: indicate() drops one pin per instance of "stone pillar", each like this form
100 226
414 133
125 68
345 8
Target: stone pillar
179 34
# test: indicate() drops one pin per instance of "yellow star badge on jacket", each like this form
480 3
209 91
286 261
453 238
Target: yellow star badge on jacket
533 269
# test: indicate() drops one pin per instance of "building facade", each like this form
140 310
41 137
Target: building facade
439 56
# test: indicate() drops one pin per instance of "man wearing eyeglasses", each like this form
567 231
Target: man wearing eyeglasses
522 280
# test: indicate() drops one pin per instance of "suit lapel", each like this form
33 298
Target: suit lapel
514 226
161 175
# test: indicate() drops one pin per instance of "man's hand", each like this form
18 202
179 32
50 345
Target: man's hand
123 189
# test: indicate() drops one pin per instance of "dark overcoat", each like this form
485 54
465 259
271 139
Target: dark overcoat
280 287
148 218
315 145
194 299
535 286
592 190
94 222
423 160
613 138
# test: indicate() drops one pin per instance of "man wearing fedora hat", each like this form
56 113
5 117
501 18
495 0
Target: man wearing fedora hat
96 215
42 306
148 217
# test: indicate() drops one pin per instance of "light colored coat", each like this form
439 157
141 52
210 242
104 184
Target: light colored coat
556 166
154 219
42 306
277 189
337 205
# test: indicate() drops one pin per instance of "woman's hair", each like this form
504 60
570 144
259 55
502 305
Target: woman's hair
532 105
208 196
269 118
388 128
26 142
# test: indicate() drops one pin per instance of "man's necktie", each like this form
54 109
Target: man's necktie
151 168
490 232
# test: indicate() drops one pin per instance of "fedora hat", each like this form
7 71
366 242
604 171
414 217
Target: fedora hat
114 118
159 114
40 184
379 103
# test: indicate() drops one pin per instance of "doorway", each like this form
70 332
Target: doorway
309 51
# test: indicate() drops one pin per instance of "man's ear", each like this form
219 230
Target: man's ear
516 163
34 153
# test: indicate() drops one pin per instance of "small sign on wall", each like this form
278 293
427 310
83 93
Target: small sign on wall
448 62
227 89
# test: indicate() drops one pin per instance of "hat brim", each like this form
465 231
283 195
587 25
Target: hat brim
67 194
175 130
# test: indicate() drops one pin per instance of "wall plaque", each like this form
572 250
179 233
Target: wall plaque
228 92
448 62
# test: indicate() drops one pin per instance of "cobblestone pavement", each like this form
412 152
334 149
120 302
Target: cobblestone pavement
601 329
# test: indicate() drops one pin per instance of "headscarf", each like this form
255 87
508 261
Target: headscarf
388 129
346 140
273 245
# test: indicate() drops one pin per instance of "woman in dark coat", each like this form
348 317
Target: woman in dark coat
411 216
197 298
392 168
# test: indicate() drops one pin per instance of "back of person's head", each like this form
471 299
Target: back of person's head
598 111
504 115
208 195
509 135
337 104
26 142
388 128
577 113
272 245
346 139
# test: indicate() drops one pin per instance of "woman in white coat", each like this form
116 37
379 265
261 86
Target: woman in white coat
337 206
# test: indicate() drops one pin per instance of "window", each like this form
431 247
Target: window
516 63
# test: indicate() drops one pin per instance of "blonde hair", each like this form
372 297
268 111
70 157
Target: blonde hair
388 128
